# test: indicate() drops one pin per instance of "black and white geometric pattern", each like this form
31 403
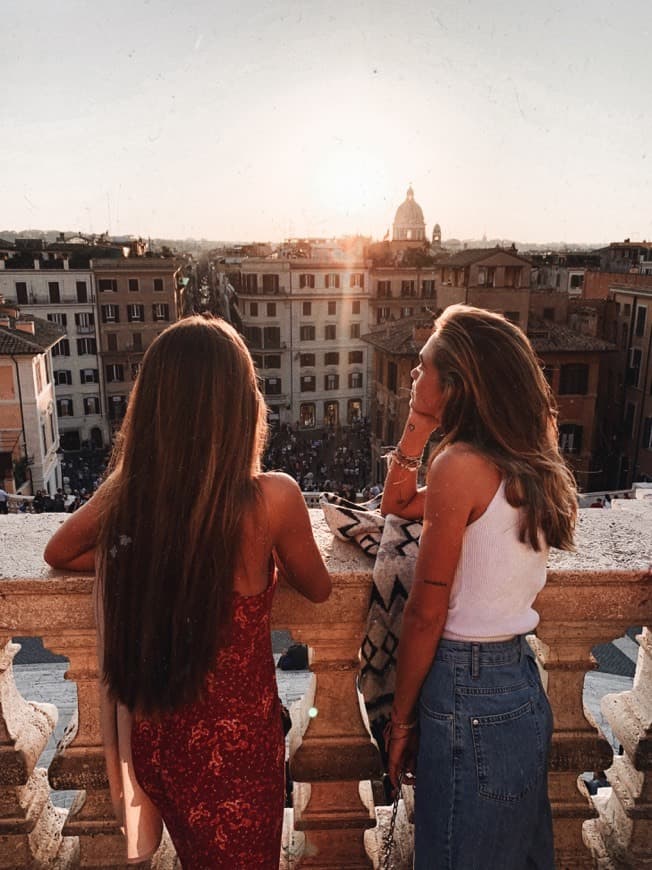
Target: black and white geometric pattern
396 556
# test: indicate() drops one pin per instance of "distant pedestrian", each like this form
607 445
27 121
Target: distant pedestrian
4 502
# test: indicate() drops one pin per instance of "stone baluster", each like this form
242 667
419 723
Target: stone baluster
578 612
622 836
30 827
332 756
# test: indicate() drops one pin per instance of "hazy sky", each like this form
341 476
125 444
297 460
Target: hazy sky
267 118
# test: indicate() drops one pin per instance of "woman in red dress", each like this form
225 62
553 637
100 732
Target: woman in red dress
184 536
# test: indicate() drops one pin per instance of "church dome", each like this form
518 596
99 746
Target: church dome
409 224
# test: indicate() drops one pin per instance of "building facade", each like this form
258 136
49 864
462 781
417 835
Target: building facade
136 298
29 438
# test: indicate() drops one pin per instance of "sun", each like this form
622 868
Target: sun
349 181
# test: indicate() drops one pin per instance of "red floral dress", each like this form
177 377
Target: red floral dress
215 768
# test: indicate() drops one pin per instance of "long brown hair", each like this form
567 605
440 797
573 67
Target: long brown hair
182 475
498 400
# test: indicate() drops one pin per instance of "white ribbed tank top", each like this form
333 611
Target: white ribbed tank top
497 577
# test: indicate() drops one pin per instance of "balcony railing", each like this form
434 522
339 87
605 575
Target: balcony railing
591 597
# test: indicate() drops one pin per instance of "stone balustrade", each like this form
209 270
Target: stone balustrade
591 597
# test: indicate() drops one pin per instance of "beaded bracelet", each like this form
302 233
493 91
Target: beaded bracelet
411 463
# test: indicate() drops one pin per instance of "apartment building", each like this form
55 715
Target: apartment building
136 298
303 320
29 437
400 291
55 283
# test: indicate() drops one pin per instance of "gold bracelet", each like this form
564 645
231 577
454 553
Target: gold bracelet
406 458
403 461
404 726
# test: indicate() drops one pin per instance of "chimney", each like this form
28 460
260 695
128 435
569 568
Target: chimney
25 326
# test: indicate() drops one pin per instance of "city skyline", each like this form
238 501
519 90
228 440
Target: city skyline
292 119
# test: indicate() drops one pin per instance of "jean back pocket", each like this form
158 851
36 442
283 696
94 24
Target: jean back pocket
509 753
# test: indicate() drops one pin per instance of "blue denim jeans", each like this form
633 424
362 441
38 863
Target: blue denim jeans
481 800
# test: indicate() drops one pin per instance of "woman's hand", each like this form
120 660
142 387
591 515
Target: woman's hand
401 749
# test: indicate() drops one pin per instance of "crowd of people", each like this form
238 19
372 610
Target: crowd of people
81 474
328 460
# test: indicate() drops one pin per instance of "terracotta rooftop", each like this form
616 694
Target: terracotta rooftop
397 337
475 255
15 341
548 337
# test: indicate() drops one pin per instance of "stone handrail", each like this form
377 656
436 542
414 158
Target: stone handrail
591 596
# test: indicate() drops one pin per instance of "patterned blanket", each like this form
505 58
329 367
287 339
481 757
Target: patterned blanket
394 543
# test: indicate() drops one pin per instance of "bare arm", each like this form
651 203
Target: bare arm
73 545
401 496
292 538
448 506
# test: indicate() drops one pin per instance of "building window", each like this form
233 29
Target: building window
251 283
161 311
133 285
112 342
253 309
331 382
272 337
574 379
270 283
354 411
117 407
641 314
271 309
59 319
332 280
355 306
355 357
379 370
308 383
307 415
257 360
332 308
253 336
53 292
428 289
512 316
108 285
82 291
158 285
307 281
570 438
85 322
355 381
135 313
110 313
576 281
382 313
646 443
62 348
384 289
272 386
392 377
634 369
21 292
332 358
65 408
273 361
89 376
115 373
354 331
307 359
306 309
63 376
91 405
357 280
407 288
628 422
407 312
627 309
137 341
307 333
331 413
86 346
330 332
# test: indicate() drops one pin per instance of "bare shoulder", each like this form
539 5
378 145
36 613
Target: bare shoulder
463 461
464 473
281 494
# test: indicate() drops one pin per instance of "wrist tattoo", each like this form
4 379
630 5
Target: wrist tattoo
411 427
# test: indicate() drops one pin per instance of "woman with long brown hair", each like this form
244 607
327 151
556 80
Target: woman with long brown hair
183 536
470 722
